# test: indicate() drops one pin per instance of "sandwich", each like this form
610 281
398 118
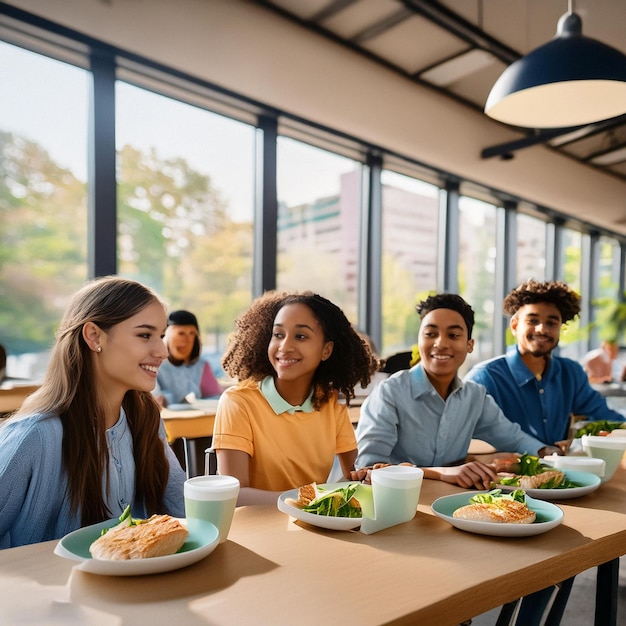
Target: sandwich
528 472
497 507
160 535
306 494
338 502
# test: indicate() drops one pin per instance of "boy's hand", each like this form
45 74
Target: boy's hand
473 474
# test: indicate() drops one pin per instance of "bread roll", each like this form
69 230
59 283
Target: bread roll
158 536
505 511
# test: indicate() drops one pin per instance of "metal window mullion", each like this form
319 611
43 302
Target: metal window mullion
448 239
266 208
621 283
590 251
102 211
506 274
370 251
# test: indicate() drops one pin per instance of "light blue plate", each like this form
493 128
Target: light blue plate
588 482
75 546
548 517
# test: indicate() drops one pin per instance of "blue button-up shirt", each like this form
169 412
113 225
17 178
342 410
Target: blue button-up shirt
405 419
542 408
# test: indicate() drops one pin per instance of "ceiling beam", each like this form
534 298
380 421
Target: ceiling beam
505 150
443 17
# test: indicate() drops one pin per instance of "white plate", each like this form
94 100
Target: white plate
322 521
205 404
588 482
75 546
548 517
179 406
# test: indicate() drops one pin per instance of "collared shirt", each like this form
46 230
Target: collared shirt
542 408
405 419
286 449
279 405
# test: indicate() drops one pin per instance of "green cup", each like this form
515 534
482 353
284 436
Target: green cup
211 499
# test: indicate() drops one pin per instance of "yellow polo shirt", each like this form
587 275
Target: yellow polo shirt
288 446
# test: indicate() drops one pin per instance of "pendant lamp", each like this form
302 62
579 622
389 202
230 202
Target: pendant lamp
570 81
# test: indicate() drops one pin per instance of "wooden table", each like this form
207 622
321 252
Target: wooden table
190 425
12 395
273 570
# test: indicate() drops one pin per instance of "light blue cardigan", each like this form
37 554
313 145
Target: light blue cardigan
34 501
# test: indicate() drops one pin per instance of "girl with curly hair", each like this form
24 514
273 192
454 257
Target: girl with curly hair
90 440
283 424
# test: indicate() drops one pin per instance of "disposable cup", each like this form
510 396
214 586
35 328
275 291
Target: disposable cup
580 463
211 499
611 449
397 490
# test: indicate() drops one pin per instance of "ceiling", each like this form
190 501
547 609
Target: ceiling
460 48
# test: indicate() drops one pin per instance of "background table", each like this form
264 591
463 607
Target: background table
12 395
194 427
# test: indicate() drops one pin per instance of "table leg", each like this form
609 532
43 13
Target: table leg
607 583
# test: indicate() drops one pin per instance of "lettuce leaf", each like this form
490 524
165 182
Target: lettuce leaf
339 502
492 497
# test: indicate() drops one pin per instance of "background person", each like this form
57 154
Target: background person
185 371
598 363
427 416
282 425
90 441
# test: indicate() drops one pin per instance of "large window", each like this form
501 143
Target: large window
572 256
409 253
531 248
608 268
43 201
319 212
185 206
477 265
189 171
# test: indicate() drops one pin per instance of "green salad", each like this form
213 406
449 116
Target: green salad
336 503
601 427
529 465
493 496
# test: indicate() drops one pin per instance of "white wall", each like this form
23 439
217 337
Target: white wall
249 50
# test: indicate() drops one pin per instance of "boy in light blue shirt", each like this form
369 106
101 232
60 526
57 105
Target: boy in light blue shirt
427 416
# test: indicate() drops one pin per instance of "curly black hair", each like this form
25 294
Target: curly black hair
351 361
450 301
554 292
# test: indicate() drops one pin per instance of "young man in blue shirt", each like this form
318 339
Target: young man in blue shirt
533 387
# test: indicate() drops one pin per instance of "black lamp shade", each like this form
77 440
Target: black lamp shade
570 81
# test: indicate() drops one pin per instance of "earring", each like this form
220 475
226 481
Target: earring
99 349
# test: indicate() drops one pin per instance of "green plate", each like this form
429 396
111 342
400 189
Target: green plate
75 546
588 482
548 517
